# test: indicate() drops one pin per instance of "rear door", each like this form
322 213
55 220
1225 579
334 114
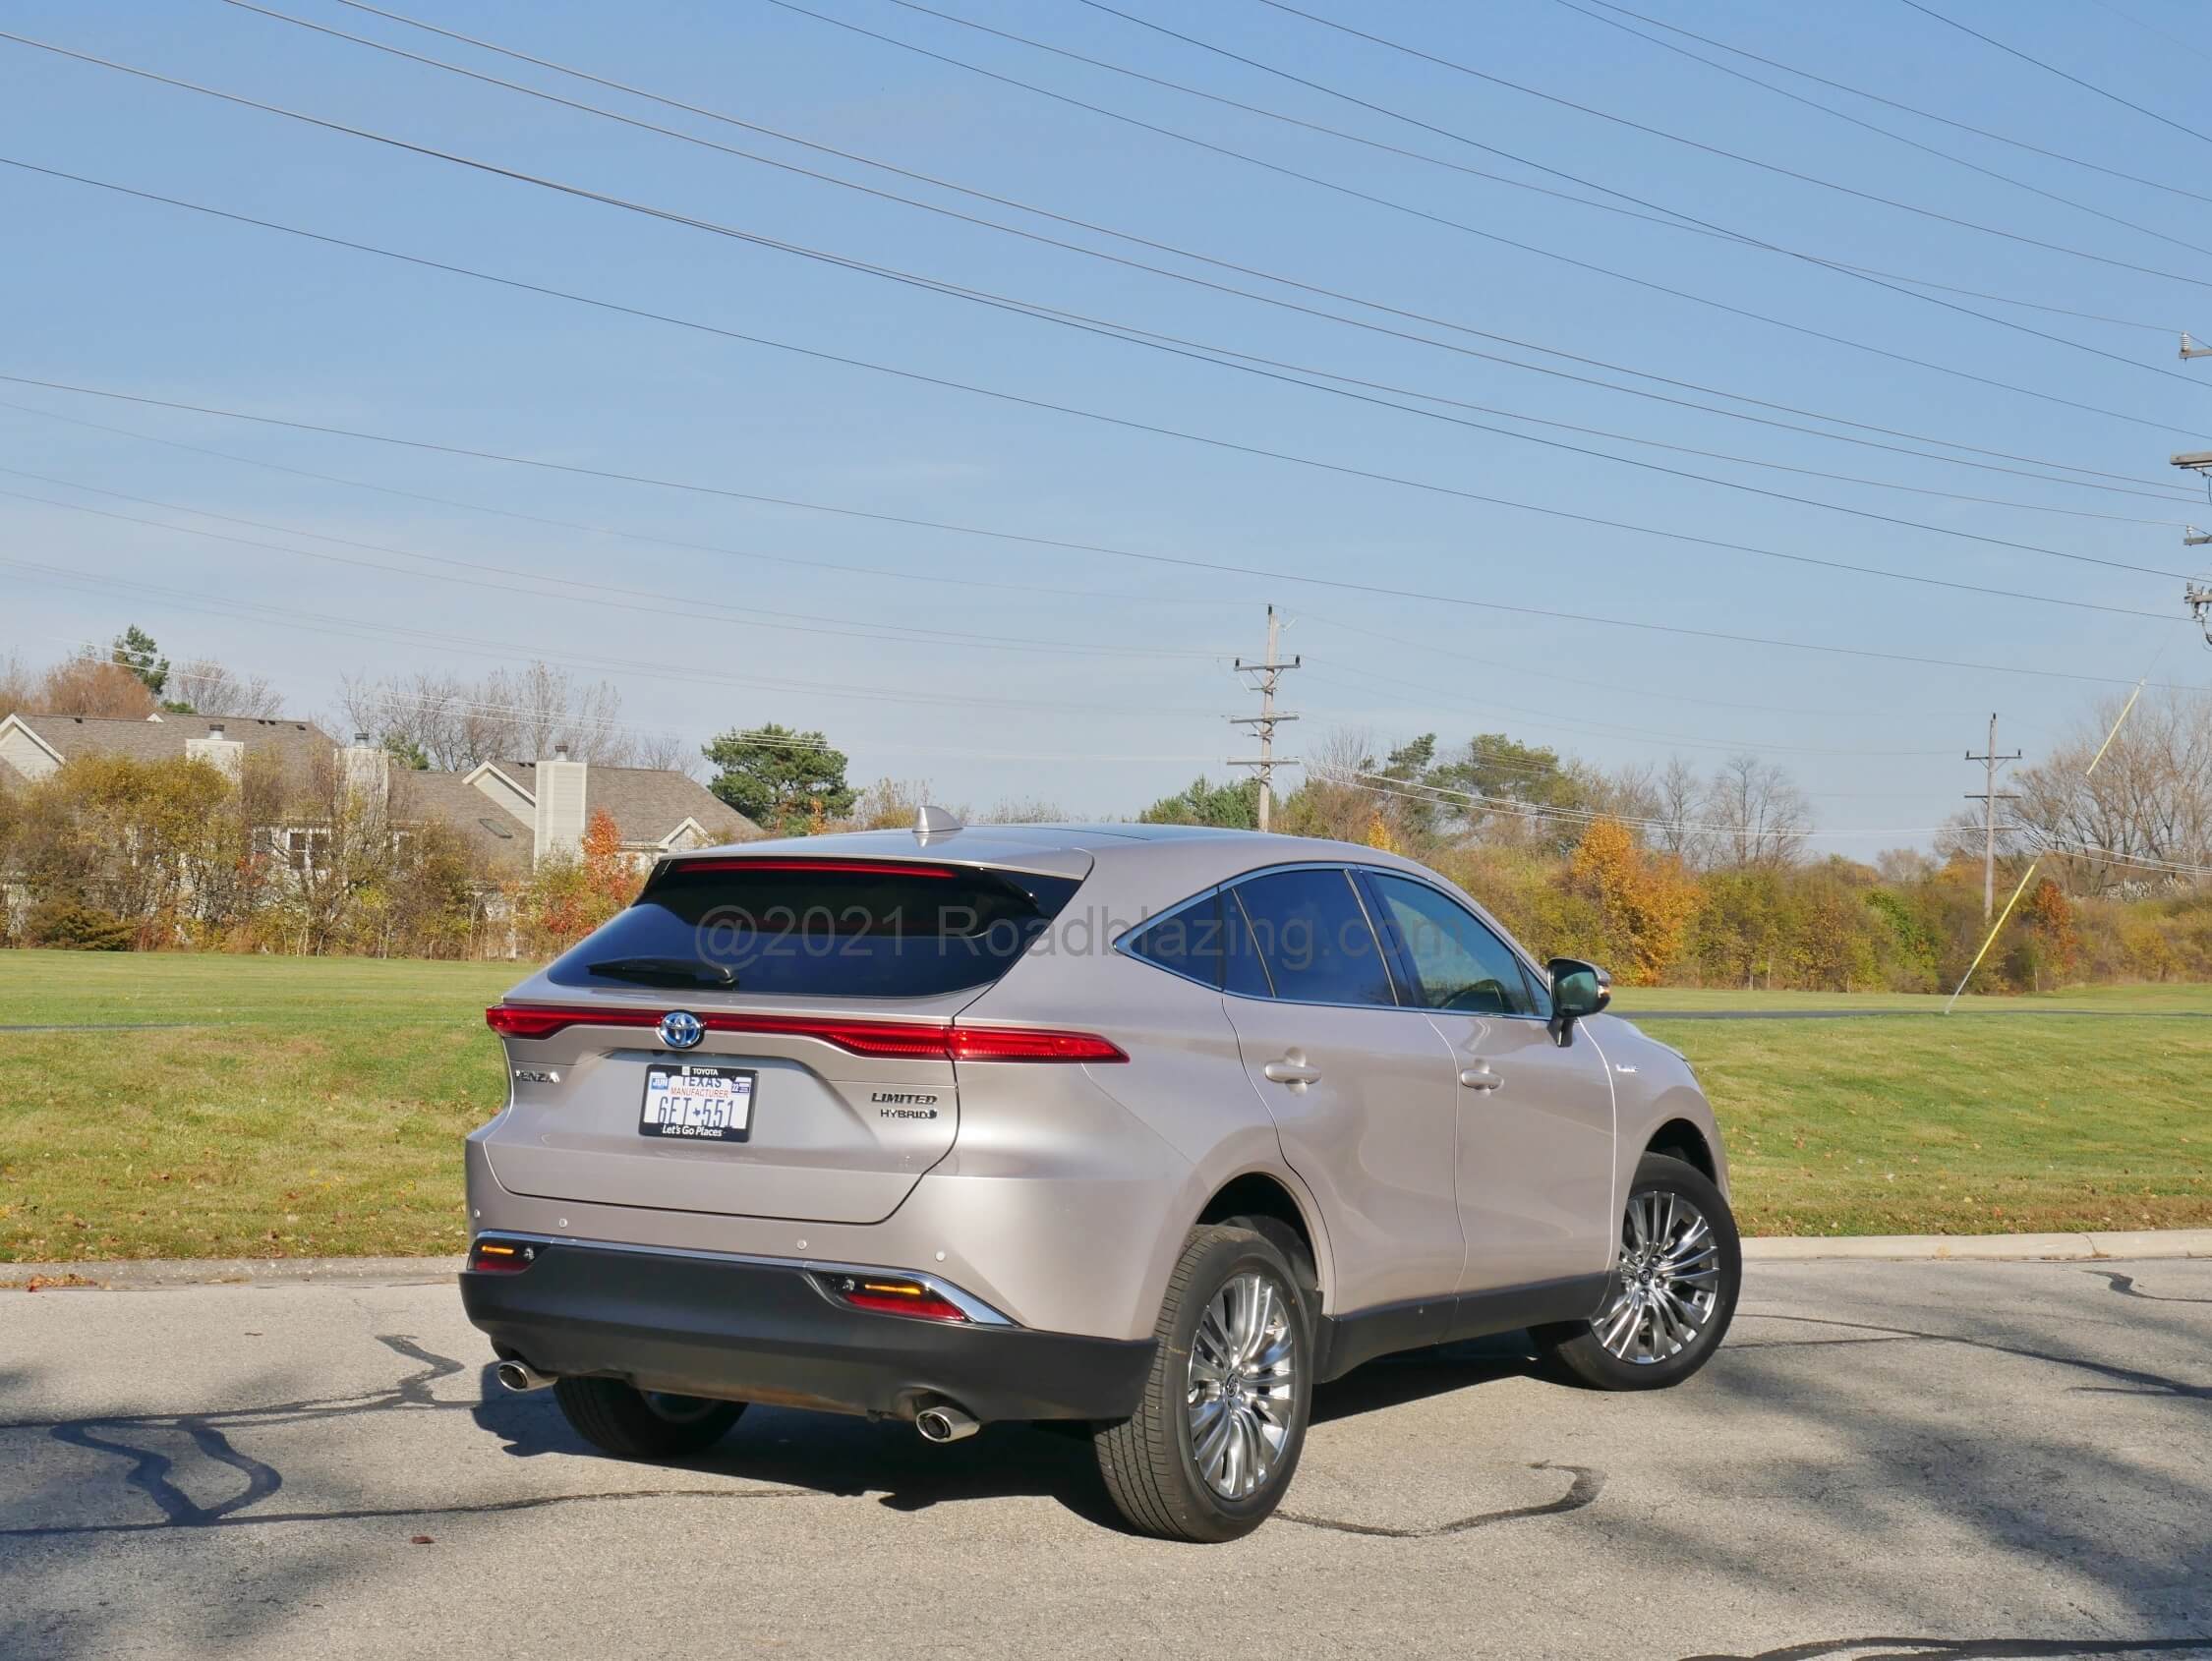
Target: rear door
820 1090
1535 1148
1361 1091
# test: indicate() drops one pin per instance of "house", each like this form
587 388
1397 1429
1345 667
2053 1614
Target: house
34 746
552 802
514 813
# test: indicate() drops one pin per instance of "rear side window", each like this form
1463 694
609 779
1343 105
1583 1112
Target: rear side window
1457 964
848 929
1313 937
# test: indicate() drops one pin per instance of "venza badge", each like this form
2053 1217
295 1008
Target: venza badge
680 1029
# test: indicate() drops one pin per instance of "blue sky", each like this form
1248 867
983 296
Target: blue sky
1123 691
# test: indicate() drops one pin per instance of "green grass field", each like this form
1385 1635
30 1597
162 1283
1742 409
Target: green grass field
314 1106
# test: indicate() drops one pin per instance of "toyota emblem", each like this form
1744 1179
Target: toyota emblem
680 1029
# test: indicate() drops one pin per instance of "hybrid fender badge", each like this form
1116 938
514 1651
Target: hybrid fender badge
680 1029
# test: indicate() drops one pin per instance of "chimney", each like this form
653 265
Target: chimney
561 806
367 770
227 756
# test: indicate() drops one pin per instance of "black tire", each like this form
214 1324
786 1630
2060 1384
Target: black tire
1577 1348
620 1420
1148 1460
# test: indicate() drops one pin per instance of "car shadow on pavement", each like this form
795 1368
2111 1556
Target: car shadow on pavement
836 1456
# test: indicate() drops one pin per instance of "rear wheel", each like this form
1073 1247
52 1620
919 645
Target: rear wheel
1672 1294
642 1424
1216 1437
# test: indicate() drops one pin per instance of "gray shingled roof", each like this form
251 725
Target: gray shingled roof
296 743
648 802
491 832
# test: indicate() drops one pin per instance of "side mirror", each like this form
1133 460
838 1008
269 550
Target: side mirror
1578 989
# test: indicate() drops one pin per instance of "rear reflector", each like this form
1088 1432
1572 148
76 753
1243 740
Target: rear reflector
491 1255
883 1040
892 1295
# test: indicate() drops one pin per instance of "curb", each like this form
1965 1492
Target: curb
137 1274
144 1273
1981 1248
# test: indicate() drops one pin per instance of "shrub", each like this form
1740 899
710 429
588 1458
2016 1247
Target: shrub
76 927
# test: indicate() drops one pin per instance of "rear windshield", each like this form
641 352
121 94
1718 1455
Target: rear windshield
818 927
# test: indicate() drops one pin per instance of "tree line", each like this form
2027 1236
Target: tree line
1667 873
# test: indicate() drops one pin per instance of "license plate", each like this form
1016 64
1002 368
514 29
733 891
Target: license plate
699 1103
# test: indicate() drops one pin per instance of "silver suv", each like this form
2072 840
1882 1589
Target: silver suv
1150 1128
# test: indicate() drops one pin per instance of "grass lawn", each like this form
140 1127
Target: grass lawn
314 1106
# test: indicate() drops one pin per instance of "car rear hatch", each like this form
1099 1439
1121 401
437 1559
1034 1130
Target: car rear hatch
821 1083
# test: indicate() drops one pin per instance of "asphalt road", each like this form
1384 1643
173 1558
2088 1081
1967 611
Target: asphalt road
1942 1459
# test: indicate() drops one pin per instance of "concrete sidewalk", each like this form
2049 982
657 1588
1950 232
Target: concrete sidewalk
2140 1245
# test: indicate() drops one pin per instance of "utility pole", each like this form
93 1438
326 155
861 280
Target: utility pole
1989 798
1265 678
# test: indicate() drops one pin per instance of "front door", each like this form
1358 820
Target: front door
1535 1145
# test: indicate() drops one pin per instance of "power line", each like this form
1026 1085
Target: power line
1193 353
661 669
1168 247
1358 780
1478 231
1183 561
1204 351
1675 139
1324 620
935 579
624 595
1551 673
1911 109
1891 134
2048 69
2151 29
1669 218
1596 729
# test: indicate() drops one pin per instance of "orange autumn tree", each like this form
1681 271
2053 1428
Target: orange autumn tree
1644 905
570 897
608 875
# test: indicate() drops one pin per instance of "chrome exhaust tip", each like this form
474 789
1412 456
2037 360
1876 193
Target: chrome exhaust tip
520 1376
945 1423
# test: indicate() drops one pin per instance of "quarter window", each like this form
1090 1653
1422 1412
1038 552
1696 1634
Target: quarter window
1314 939
1185 943
1458 963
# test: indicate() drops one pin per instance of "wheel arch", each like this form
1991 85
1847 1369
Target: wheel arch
1680 1138
1273 1202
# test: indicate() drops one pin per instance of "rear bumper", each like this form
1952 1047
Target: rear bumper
762 1330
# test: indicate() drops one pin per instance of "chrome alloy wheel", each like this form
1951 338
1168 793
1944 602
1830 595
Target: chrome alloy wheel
1668 1284
1242 1386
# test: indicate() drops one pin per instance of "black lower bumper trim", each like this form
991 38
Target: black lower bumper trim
762 1331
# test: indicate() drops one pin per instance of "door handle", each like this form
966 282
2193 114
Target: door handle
1292 1070
1480 1077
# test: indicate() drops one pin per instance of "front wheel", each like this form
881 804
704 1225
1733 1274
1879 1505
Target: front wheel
1672 1294
1217 1434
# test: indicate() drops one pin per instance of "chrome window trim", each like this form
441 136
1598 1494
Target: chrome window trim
966 1302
